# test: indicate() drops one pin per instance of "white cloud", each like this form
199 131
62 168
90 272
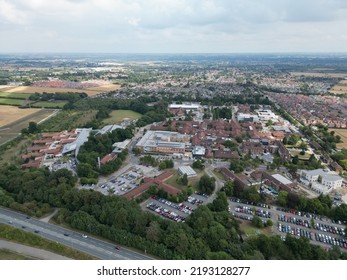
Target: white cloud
10 14
174 25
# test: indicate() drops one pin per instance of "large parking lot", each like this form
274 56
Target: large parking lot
125 182
177 212
319 230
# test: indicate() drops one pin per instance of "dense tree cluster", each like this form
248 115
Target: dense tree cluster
97 146
206 234
321 205
149 160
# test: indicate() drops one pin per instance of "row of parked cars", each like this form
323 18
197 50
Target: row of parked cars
295 231
194 200
246 218
238 200
244 209
331 240
263 213
331 229
165 212
294 220
202 194
181 207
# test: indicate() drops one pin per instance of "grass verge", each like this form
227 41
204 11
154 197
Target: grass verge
30 239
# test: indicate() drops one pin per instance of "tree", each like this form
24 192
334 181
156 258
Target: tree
282 198
33 128
228 188
198 164
185 179
162 165
295 159
206 184
236 166
257 222
220 203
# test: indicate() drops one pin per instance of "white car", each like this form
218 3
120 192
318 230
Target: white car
84 236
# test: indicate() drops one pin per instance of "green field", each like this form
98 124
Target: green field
294 153
117 116
6 101
49 104
14 95
193 181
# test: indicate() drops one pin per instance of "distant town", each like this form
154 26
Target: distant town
179 157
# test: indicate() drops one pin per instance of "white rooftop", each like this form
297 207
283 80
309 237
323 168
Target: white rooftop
282 179
187 170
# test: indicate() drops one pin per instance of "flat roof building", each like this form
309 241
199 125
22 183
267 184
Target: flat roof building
82 137
320 180
163 142
186 170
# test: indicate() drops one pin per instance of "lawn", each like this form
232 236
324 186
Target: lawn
193 181
249 229
117 116
6 101
294 153
14 95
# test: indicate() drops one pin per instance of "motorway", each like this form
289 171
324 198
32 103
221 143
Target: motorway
90 245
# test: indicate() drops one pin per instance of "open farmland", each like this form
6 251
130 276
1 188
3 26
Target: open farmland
49 104
31 89
9 114
14 95
117 116
12 125
339 88
343 134
8 101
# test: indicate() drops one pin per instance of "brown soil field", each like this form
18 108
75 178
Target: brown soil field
343 134
314 74
105 88
90 91
11 130
339 88
9 114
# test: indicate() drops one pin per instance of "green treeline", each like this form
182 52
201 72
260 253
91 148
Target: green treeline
209 233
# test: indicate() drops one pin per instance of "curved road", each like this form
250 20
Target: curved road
92 246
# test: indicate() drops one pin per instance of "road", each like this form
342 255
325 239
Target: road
92 246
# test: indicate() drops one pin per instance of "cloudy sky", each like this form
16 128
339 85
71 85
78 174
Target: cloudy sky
173 26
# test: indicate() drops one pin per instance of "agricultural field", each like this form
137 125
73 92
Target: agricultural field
14 95
317 74
8 101
9 114
343 134
117 116
12 125
31 89
49 104
339 88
